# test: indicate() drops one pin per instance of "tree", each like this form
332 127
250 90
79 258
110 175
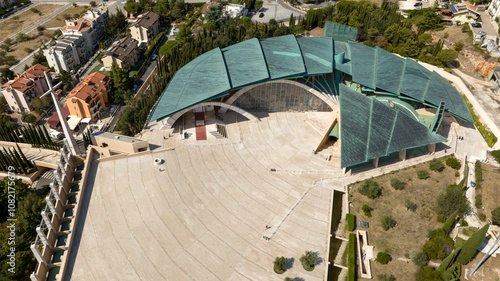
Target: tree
367 210
453 163
383 258
449 260
447 55
451 200
449 224
469 249
423 174
420 259
430 20
424 38
308 260
6 122
427 273
439 245
116 22
397 184
39 58
279 265
121 79
410 205
21 37
93 4
387 222
495 216
459 46
436 165
5 47
5 75
214 15
385 277
370 189
66 79
30 118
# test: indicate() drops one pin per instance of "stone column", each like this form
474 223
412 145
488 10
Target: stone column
55 192
375 162
402 155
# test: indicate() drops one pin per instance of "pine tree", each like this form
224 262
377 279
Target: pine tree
450 222
469 249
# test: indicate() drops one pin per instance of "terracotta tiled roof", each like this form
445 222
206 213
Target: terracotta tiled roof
90 87
23 82
147 20
123 48
80 24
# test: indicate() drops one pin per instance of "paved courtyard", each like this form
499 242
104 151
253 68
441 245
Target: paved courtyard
201 215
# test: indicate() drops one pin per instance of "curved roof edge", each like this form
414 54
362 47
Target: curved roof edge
251 62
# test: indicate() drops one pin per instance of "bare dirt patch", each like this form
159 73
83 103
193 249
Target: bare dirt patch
26 18
489 270
410 234
58 21
489 189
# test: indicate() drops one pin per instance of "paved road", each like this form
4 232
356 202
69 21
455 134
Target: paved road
278 10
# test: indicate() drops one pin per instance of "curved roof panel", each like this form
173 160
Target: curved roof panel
214 73
245 63
283 57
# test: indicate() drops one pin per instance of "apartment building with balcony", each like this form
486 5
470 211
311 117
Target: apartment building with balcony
91 26
123 53
146 28
26 86
67 54
90 96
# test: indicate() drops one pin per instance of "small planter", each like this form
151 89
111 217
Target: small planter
308 268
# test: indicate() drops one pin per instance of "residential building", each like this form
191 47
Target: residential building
91 26
146 28
4 4
26 86
80 38
464 12
89 96
206 7
123 53
236 10
67 54
493 9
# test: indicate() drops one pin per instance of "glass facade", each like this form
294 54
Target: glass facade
274 97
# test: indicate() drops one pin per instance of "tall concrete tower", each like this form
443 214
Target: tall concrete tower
72 145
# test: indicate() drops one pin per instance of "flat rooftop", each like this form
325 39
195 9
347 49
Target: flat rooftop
113 136
201 215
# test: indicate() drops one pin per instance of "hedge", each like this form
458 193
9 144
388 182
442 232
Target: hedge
351 222
450 222
351 261
479 174
490 138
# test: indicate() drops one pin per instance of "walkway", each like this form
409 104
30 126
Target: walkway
42 157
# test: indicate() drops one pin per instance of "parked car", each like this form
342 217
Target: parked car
482 32
154 57
476 24
261 15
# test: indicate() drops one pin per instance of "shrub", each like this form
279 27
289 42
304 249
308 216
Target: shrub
495 216
308 260
463 222
15 17
496 155
397 184
385 277
383 258
459 46
410 205
367 210
427 273
439 245
351 261
453 163
351 221
436 165
370 189
457 174
469 249
479 174
453 273
21 37
279 265
93 4
450 222
28 50
34 10
481 216
30 118
451 200
387 222
423 174
441 218
420 259
479 201
449 260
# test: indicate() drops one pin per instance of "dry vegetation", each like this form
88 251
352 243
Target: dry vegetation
489 189
26 18
58 21
17 50
489 270
410 234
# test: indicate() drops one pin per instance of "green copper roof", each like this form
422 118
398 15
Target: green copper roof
339 31
283 56
245 69
251 62
317 53
370 129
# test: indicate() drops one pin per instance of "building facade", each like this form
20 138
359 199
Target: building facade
90 96
28 85
79 40
146 28
67 54
123 53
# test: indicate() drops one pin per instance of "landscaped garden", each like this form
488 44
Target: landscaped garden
406 211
